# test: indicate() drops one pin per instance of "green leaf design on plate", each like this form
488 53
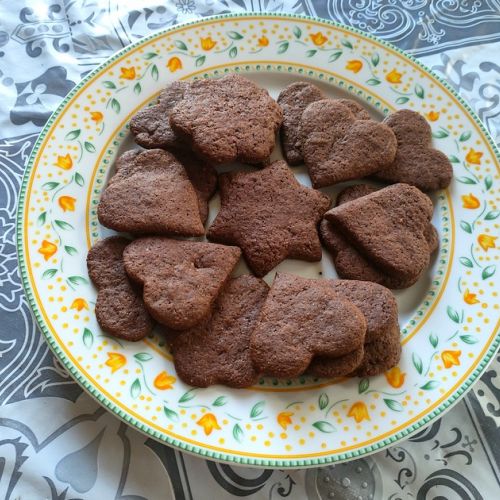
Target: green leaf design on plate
323 401
137 88
187 396
373 81
109 85
417 362
66 226
199 61
466 180
283 47
466 226
375 58
488 182
257 409
89 147
323 426
465 261
220 401
468 339
440 134
42 218
465 136
452 314
135 388
143 356
70 250
297 32
150 55
429 386
453 159
402 100
171 414
419 91
78 280
488 272
346 43
233 52
74 134
49 186
492 215
238 433
393 405
310 53
88 338
334 56
433 339
115 105
363 385
49 273
154 72
79 179
234 35
180 45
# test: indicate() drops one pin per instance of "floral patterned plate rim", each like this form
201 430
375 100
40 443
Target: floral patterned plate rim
449 320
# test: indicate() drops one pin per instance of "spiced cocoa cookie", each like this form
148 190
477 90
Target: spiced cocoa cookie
150 193
119 308
228 119
337 146
416 161
302 318
217 351
180 279
270 216
151 126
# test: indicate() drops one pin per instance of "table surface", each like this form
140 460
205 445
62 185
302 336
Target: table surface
55 441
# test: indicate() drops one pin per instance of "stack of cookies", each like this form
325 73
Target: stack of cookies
231 330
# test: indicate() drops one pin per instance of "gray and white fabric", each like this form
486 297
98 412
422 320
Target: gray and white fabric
58 443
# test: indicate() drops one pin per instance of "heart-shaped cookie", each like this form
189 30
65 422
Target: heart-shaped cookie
338 147
181 279
416 162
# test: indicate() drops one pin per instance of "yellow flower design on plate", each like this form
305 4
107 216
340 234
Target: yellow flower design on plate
64 162
79 304
207 43
284 418
115 361
127 73
486 241
318 38
209 423
393 76
451 358
395 377
67 203
96 116
164 381
470 298
354 65
48 249
263 41
470 201
174 64
474 157
433 116
359 412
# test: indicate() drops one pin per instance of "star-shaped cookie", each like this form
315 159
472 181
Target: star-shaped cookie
270 216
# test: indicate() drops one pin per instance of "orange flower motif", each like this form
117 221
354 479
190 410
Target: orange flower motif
67 203
64 162
359 412
451 358
128 73
433 116
79 304
164 381
393 77
395 377
474 157
115 361
207 43
470 298
470 201
96 116
318 38
263 41
354 66
209 423
48 249
486 241
284 419
174 63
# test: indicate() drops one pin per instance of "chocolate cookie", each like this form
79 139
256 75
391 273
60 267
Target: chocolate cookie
293 100
181 279
337 146
150 193
217 351
416 162
151 126
270 216
342 366
228 119
388 228
302 318
119 309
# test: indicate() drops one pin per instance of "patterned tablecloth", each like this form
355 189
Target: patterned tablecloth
55 441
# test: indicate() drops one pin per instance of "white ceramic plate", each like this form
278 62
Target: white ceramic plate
449 318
